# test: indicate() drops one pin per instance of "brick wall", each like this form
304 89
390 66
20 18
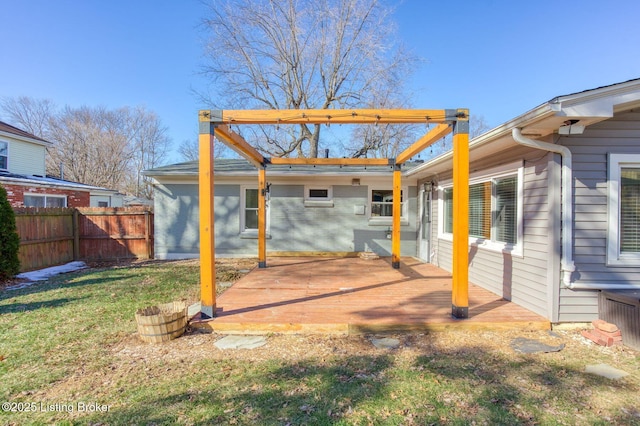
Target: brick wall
15 194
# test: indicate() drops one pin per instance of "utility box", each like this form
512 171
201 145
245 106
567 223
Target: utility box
622 308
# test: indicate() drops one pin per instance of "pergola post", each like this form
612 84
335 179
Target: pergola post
262 217
207 239
396 213
460 290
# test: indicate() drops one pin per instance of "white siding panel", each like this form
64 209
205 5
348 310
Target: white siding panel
26 158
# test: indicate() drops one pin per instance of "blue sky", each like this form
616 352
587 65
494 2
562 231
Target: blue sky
498 58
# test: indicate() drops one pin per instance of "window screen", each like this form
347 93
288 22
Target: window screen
505 216
382 202
448 210
44 201
251 209
480 210
318 193
630 210
499 224
4 155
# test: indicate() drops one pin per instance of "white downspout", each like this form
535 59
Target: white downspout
566 263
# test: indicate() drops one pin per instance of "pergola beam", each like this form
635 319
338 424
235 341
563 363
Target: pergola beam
330 116
238 144
434 135
330 161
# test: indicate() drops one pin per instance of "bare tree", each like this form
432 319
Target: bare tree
95 145
189 150
150 144
300 54
29 114
92 147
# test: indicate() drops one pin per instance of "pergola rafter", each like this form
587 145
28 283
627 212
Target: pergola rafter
218 123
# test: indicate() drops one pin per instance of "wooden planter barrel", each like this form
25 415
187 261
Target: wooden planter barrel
162 323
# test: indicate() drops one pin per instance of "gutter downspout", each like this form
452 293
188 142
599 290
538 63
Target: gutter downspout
566 263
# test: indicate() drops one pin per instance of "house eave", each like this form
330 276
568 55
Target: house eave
589 107
41 142
42 183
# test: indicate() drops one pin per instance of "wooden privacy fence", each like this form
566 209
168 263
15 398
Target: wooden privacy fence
53 236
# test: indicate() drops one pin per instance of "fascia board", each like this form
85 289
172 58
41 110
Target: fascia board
20 138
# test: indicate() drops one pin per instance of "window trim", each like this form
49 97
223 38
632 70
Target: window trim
250 233
318 201
615 164
490 175
5 156
45 196
388 220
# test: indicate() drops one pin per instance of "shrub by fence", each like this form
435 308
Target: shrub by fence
54 236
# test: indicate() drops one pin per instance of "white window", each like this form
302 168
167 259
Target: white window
623 242
43 200
318 196
4 155
381 206
249 212
495 210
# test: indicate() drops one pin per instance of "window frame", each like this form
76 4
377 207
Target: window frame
387 220
44 196
492 175
615 163
250 233
310 201
6 168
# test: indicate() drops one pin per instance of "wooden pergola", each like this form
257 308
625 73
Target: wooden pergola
216 123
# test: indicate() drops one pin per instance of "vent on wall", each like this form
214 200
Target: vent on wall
622 308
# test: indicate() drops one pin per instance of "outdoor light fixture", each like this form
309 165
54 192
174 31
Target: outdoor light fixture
569 127
355 182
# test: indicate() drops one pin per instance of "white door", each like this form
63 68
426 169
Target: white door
424 238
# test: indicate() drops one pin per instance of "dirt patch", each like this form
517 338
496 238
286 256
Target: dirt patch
196 345
11 282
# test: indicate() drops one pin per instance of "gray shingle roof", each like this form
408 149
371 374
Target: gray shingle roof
240 167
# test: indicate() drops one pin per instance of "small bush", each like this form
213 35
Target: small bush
9 239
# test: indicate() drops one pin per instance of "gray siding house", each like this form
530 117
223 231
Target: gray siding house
325 209
554 206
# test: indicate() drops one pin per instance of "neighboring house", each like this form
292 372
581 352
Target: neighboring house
23 175
554 205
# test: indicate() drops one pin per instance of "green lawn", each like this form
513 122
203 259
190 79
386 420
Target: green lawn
68 348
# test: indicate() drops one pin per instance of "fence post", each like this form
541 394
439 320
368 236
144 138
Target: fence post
76 234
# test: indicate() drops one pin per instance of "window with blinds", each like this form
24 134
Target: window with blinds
4 155
480 210
448 210
630 210
505 215
493 210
